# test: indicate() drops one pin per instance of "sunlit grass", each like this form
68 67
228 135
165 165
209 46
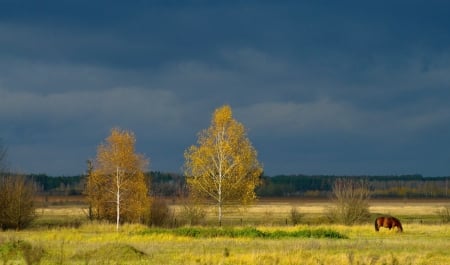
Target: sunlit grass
96 243
99 243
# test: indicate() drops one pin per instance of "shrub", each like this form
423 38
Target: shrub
193 214
295 216
159 212
351 199
444 214
16 198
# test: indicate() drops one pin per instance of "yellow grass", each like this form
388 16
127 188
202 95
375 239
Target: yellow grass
283 207
98 243
419 244
394 207
277 212
62 211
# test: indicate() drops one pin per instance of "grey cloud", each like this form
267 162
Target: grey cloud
325 115
298 118
322 88
129 105
69 125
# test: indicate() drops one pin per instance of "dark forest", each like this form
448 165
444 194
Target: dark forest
320 186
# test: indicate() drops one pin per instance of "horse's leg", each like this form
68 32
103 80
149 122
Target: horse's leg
390 224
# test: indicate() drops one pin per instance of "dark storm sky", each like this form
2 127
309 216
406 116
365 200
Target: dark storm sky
323 87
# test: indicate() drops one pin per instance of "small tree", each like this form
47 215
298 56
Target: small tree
223 166
192 213
444 214
295 216
3 162
351 199
16 199
160 212
116 188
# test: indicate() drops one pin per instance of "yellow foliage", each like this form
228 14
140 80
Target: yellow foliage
223 166
117 178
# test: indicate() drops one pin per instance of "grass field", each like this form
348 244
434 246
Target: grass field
424 241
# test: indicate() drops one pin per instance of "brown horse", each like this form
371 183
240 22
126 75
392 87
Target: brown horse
388 222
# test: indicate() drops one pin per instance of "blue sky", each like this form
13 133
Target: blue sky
323 87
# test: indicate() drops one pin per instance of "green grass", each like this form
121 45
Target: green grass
247 232
111 253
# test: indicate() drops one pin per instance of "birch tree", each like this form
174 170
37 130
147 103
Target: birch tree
116 186
223 166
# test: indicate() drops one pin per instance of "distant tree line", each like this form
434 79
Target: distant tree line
398 186
163 184
59 185
166 184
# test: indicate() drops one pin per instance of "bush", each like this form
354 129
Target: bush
193 214
16 198
3 162
159 213
351 199
295 216
444 214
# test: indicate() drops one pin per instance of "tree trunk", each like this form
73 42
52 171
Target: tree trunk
220 202
117 200
220 214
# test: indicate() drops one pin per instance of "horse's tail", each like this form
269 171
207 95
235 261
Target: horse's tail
376 225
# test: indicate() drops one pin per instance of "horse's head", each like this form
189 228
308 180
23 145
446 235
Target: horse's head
398 224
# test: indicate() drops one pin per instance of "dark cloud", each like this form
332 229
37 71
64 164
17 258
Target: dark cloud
338 88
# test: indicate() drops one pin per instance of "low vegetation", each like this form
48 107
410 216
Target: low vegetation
135 244
264 238
17 209
444 214
351 201
247 232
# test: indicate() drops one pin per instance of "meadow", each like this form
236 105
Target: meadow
261 234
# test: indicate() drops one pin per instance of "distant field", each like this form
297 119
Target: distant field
264 212
394 207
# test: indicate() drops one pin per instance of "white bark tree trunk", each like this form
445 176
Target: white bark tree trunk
117 199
